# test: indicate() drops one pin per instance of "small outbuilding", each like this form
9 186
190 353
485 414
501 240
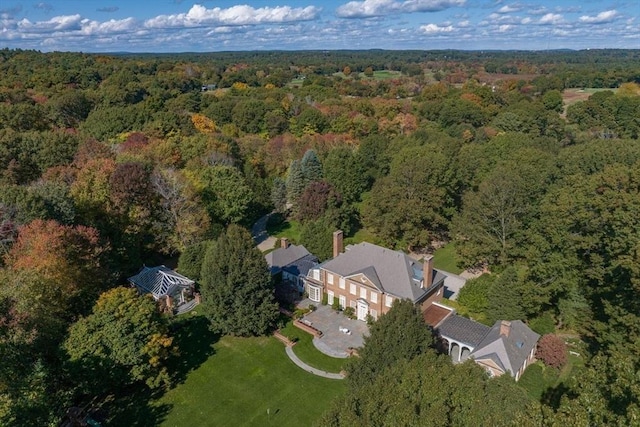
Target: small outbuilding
166 285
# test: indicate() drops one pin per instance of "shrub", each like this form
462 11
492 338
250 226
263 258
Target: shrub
350 312
370 319
325 299
552 351
336 304
312 307
543 324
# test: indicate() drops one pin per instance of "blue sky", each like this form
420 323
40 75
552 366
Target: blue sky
215 25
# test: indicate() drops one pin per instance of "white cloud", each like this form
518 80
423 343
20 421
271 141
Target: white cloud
199 16
111 26
508 8
435 29
504 28
57 23
551 18
373 8
464 24
601 18
526 21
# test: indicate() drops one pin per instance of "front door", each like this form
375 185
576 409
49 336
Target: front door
363 310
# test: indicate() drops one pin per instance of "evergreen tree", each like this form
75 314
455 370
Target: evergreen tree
190 261
279 195
344 170
295 181
505 297
311 167
400 334
237 290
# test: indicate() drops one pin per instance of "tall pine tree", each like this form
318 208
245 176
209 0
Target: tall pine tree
295 181
311 167
237 290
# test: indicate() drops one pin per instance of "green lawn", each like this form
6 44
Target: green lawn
289 229
445 259
245 378
308 353
229 381
540 380
362 235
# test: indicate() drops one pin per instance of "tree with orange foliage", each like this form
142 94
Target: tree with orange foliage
65 262
203 123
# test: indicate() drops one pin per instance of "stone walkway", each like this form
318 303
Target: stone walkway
311 369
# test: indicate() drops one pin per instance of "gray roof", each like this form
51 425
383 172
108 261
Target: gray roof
296 257
511 350
390 271
301 267
159 281
463 330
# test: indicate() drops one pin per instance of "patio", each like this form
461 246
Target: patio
339 333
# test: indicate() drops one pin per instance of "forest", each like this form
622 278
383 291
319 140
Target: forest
111 162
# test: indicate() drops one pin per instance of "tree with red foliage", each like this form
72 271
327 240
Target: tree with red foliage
317 197
552 351
130 183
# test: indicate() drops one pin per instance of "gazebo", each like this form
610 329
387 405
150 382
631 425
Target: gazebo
163 283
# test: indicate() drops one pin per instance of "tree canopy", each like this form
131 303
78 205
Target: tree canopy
237 289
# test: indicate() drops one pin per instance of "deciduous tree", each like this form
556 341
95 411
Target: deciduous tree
123 341
552 351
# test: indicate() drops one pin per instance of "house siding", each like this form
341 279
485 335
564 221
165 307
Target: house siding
380 306
490 366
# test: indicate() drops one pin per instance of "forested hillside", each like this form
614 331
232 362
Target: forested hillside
108 162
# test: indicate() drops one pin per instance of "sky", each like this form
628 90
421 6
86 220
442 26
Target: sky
228 25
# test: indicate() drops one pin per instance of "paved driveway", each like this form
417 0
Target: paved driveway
334 342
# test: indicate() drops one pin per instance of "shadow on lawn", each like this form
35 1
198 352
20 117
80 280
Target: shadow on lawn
194 341
136 409
138 406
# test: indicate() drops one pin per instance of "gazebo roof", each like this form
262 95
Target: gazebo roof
159 281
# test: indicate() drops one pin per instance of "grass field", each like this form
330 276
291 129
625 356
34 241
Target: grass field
289 229
445 259
230 381
540 380
308 353
571 96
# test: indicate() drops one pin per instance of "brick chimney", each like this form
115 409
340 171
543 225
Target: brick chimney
427 271
338 237
284 242
505 328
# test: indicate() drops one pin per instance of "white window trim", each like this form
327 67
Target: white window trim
316 274
352 289
388 300
342 283
330 296
374 297
363 293
343 301
314 293
330 278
